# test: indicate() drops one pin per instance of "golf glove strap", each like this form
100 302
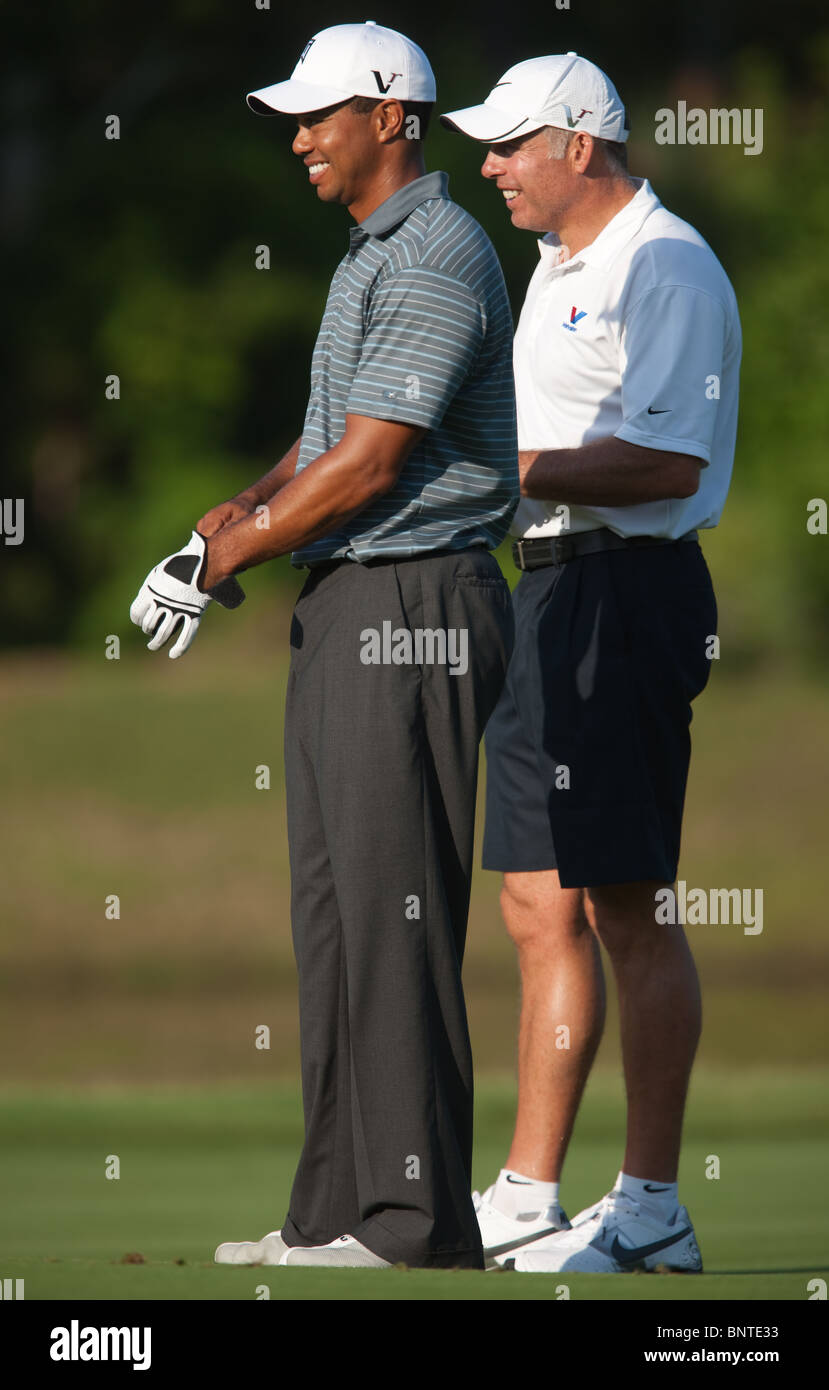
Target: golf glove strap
170 596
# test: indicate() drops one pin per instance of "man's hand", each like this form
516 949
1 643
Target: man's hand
246 501
224 515
171 595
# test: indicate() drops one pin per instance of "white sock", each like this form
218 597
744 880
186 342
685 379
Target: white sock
515 1194
659 1198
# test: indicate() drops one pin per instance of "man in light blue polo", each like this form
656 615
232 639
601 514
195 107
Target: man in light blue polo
402 482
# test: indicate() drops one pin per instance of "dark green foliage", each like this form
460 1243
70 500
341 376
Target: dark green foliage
136 257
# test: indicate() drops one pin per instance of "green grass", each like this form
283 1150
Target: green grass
199 1166
135 1036
106 766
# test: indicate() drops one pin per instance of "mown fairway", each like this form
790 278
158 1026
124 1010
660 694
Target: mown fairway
135 1035
199 1166
138 778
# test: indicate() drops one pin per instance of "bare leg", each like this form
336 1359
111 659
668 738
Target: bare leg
660 1008
561 983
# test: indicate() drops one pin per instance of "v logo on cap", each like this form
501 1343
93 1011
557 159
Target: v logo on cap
573 121
384 87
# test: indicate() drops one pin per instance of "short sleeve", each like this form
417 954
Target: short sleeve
422 339
672 349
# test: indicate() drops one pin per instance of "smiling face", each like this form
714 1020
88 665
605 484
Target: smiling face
341 152
539 191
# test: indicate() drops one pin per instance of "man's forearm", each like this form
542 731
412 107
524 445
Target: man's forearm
304 509
607 473
267 487
332 489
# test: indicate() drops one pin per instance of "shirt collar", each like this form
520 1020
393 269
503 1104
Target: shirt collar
393 211
614 235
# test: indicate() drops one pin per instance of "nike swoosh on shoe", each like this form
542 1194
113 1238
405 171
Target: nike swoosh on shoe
492 1250
625 1255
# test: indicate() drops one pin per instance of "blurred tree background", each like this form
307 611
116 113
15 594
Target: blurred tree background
136 257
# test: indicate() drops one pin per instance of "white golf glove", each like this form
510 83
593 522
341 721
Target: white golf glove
170 595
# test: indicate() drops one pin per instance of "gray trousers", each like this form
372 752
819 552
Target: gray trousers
381 760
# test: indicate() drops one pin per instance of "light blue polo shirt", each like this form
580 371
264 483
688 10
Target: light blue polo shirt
418 329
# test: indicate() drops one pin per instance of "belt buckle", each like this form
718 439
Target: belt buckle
563 549
519 546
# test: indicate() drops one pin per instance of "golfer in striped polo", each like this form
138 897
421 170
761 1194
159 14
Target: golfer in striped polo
402 482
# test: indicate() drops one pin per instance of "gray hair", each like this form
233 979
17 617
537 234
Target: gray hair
558 141
614 152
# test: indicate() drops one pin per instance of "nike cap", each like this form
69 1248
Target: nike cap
350 60
564 90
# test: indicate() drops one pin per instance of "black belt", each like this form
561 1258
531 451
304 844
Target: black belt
396 559
557 550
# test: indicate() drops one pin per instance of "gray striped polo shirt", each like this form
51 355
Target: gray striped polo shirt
417 328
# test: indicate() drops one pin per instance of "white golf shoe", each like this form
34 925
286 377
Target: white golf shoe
616 1236
345 1252
502 1235
267 1251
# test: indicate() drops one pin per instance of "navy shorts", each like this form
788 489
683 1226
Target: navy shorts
589 745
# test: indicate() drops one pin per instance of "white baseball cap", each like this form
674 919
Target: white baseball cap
350 60
564 90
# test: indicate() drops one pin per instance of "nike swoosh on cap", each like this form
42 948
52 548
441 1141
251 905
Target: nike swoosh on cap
626 1255
651 411
508 1245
